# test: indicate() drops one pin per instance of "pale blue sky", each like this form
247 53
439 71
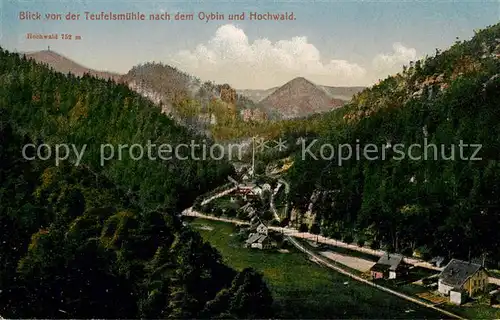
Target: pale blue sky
355 32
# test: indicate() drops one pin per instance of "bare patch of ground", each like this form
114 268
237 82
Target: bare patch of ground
432 297
205 227
352 262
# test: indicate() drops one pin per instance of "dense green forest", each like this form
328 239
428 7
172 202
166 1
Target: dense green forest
429 207
92 241
57 108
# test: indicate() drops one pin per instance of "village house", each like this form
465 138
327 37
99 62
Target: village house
389 266
246 193
461 279
258 238
246 189
256 225
258 241
438 261
245 207
258 190
249 210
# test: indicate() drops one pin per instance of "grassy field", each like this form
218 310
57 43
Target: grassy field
475 311
303 289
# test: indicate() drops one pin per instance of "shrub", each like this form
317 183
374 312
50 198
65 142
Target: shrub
274 223
230 212
217 212
336 235
422 252
285 244
375 245
360 242
303 227
348 238
242 215
387 247
315 229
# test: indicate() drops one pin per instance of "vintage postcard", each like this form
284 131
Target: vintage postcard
249 159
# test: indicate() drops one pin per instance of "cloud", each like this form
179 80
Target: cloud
230 57
401 55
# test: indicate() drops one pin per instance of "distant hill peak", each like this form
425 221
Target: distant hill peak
300 97
344 93
300 82
301 79
62 64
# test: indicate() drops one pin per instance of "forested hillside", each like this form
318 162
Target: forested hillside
447 204
92 241
187 99
87 111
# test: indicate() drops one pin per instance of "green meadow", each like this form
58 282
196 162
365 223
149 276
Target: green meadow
303 289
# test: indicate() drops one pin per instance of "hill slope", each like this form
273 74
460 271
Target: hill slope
256 95
298 98
342 93
62 64
121 251
434 199
191 103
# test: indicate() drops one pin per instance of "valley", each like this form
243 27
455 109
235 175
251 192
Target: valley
401 206
355 261
322 294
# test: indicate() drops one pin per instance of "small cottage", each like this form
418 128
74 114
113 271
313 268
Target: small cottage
258 238
461 279
389 266
438 261
262 229
257 190
258 241
248 209
257 226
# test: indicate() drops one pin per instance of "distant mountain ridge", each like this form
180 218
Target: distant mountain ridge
170 88
256 95
342 93
63 64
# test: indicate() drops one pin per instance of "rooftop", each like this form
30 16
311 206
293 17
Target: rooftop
256 238
457 272
392 260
